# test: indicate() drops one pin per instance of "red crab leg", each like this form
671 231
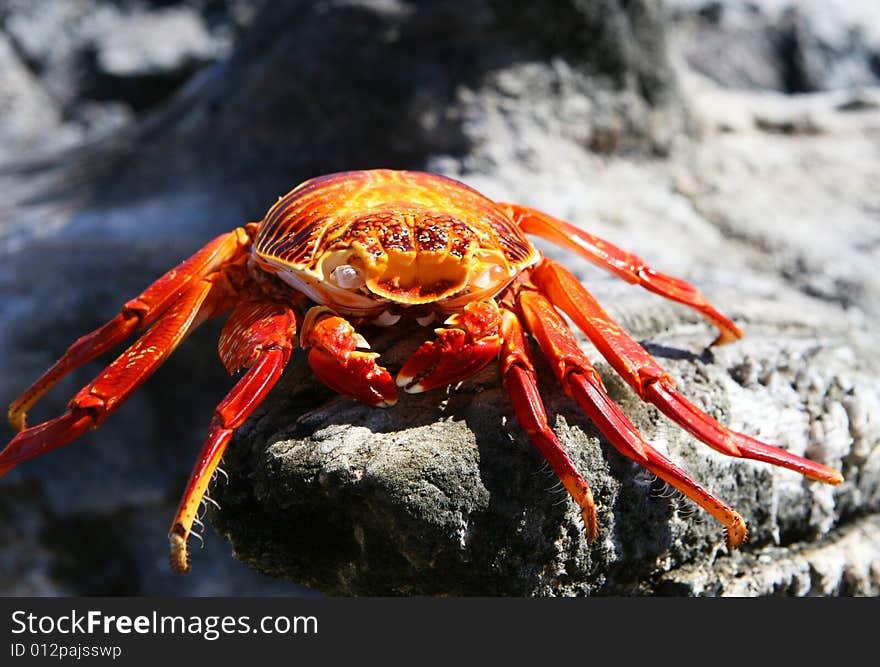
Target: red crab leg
338 363
521 382
134 315
263 337
98 399
582 383
458 352
631 268
652 383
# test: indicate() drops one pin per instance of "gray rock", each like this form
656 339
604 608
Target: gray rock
26 111
52 37
845 563
139 46
782 45
74 70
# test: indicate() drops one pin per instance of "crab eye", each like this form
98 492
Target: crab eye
347 277
489 276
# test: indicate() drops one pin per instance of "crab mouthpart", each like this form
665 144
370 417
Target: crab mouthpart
412 278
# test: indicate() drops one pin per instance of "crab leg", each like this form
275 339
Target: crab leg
268 330
135 315
339 364
521 382
652 383
582 383
98 399
625 265
458 352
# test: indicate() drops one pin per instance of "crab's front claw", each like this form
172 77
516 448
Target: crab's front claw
456 353
338 362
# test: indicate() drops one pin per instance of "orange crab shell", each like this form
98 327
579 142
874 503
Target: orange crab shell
403 237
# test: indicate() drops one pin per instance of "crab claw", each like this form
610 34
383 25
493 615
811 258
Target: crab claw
456 353
338 363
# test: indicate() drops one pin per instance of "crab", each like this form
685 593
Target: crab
351 249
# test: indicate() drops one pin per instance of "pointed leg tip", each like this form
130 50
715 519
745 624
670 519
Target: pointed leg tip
829 476
18 421
591 523
727 335
179 552
737 532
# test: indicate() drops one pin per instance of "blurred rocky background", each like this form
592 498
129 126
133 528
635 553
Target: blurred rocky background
734 144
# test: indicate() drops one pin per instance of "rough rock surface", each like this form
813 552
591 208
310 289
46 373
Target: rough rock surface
75 70
767 202
792 46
